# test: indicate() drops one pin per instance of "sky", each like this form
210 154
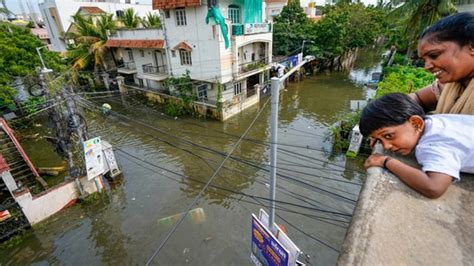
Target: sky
14 5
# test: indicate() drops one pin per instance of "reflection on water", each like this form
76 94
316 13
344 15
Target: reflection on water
167 161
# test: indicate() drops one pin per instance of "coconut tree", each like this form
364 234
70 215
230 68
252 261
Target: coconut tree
130 18
419 14
89 48
152 20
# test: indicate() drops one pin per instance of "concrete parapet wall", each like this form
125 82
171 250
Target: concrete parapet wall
39 207
394 225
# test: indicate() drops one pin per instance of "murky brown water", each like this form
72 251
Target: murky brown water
165 162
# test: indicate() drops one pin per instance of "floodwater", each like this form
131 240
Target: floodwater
166 161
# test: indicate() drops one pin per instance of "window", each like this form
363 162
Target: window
130 55
167 13
180 17
237 88
173 53
202 92
119 13
142 54
185 57
234 14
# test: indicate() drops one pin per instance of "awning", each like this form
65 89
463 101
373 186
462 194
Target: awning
183 46
135 43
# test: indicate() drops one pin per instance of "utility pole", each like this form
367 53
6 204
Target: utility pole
273 150
63 135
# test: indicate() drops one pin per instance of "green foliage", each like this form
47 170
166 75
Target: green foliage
152 20
341 131
290 28
32 104
18 58
175 109
182 85
254 66
344 26
219 96
7 94
405 79
418 15
89 50
130 19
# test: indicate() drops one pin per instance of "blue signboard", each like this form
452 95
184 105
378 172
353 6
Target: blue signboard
266 249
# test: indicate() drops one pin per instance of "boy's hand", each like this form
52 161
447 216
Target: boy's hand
375 160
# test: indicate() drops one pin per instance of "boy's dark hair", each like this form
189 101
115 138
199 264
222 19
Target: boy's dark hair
392 109
457 28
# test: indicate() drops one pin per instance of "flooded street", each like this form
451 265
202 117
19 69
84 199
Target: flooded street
166 161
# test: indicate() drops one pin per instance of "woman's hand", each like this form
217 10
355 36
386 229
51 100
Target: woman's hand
375 160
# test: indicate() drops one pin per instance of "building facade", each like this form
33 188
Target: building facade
57 15
227 58
273 8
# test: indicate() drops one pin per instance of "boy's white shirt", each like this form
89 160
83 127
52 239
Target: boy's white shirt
447 145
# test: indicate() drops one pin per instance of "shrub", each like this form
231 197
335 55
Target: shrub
404 79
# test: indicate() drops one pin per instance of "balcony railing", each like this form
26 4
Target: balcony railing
128 65
251 28
250 66
154 70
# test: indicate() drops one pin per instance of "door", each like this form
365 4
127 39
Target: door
160 61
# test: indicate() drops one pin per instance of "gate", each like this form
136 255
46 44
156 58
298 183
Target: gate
12 218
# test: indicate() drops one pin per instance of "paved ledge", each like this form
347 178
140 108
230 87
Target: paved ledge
394 225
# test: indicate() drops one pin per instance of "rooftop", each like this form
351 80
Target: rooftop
135 43
91 9
167 4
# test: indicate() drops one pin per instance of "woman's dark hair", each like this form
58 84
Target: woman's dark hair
457 28
392 109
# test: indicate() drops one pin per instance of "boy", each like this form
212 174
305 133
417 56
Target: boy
443 144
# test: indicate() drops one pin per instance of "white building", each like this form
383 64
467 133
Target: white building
273 8
57 15
187 43
465 5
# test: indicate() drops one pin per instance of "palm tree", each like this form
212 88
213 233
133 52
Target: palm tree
130 18
152 20
89 48
420 14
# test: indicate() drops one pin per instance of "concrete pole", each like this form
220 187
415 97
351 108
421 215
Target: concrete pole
273 151
76 124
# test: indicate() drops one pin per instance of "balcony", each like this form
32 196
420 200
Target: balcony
127 68
157 73
251 28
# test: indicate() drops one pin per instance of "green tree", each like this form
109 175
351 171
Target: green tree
89 50
18 58
130 18
152 20
417 15
291 27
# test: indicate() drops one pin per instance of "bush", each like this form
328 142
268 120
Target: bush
33 104
404 79
175 109
341 131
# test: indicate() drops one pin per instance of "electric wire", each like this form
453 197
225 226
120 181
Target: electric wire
203 189
292 179
305 184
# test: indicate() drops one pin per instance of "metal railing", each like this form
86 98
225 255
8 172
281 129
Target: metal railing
156 70
128 65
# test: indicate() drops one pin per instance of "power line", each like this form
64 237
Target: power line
294 180
203 189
